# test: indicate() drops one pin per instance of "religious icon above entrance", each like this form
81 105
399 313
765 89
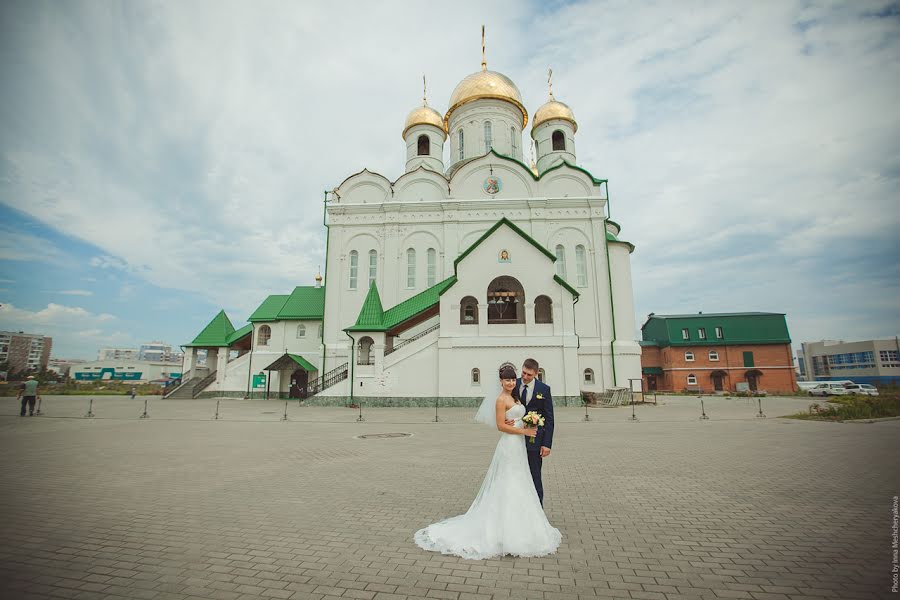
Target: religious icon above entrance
504 257
492 185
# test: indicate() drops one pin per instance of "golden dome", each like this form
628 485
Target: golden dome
485 84
554 109
424 115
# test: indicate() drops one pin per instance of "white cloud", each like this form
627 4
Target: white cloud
76 332
19 246
107 262
76 292
54 314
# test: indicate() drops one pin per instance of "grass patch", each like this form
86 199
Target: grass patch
847 408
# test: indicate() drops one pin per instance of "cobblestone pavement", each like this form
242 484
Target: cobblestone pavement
180 506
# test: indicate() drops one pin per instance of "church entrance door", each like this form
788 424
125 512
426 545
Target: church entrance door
299 379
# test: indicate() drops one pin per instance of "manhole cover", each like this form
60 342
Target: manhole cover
373 436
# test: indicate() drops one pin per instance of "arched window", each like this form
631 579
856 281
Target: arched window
354 268
692 379
559 141
301 331
506 300
364 354
263 335
542 375
476 376
410 268
513 142
713 355
689 356
431 255
488 136
589 376
561 261
462 145
424 145
581 265
373 265
468 311
543 310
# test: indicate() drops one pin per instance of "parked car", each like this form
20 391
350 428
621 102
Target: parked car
863 389
830 388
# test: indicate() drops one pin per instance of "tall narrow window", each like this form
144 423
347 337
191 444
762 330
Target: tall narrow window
476 376
561 261
589 376
719 333
301 331
702 333
462 145
581 265
410 268
432 266
424 145
543 310
559 141
488 136
373 265
354 268
513 142
263 335
542 375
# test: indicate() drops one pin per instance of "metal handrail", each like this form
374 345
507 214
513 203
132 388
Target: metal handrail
184 381
412 339
201 385
328 379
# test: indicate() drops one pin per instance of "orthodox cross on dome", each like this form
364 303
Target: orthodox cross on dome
483 59
424 92
550 81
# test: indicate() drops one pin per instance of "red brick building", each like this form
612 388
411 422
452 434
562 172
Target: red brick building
724 352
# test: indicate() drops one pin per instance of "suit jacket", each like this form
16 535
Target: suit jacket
542 405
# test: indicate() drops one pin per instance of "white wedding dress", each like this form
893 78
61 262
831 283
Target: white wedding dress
506 516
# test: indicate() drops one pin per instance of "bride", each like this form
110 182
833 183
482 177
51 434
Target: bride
506 516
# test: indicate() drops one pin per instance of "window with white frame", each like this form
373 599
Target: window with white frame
476 376
410 268
581 266
692 379
561 261
589 376
689 356
542 375
354 268
701 333
488 136
373 265
263 335
301 331
719 333
713 355
462 145
431 255
685 334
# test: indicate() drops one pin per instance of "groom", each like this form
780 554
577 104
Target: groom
535 395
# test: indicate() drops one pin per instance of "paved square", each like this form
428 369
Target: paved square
180 505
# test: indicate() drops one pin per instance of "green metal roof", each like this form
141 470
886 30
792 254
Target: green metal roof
242 332
559 165
737 328
563 283
305 302
307 366
371 315
289 361
215 334
610 237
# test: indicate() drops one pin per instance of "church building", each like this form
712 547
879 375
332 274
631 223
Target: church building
433 279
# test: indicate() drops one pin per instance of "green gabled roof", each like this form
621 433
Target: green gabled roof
415 305
290 361
215 334
553 168
495 227
269 309
563 283
238 334
371 315
305 302
736 328
307 366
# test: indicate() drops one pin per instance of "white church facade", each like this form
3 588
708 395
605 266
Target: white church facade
435 279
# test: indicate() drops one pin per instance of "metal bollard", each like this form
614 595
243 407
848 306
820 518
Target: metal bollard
90 412
145 415
587 417
285 417
703 416
760 414
217 411
37 410
360 419
436 419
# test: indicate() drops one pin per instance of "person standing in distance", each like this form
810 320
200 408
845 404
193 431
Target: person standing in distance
28 393
535 395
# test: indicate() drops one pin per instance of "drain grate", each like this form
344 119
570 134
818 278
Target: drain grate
373 436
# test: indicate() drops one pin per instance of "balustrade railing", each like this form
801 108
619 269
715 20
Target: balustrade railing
421 334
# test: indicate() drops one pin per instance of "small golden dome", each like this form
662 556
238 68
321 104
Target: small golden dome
424 115
554 109
485 84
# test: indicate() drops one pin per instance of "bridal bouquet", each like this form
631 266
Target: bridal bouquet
535 420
